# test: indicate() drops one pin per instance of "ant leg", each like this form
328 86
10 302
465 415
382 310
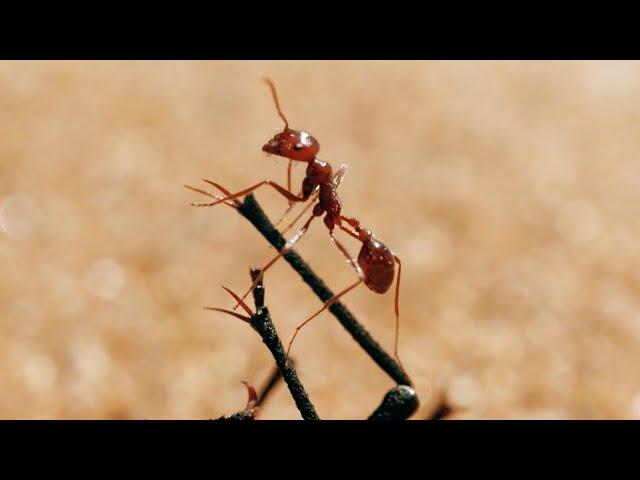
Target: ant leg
229 312
232 203
354 222
346 230
283 191
312 202
326 305
342 227
290 206
397 311
337 178
349 258
287 247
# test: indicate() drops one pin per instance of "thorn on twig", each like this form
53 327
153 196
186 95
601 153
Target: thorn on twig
229 312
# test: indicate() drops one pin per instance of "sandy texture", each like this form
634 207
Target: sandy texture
509 189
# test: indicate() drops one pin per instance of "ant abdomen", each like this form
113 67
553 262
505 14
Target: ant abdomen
378 265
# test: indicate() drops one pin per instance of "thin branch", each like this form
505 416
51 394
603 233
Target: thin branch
251 210
398 404
261 323
273 380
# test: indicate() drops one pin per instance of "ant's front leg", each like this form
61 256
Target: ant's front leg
289 168
232 203
280 189
290 205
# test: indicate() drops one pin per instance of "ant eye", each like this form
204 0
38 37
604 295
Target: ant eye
298 146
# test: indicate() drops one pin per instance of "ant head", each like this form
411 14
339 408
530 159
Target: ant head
289 143
294 145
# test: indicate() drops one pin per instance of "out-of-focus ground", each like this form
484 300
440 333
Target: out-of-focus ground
511 191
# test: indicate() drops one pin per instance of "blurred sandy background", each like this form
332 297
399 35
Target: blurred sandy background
509 189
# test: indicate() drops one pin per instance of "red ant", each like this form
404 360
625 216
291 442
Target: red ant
319 181
376 262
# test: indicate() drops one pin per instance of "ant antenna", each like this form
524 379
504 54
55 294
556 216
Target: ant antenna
269 82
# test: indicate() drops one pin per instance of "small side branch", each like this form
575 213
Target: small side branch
249 413
274 379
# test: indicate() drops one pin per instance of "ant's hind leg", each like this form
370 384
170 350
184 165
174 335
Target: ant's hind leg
287 247
346 230
346 254
326 305
287 210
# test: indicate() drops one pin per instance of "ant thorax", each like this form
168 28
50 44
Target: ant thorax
319 172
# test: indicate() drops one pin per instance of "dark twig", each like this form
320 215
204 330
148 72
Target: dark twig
398 404
261 323
273 380
250 209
